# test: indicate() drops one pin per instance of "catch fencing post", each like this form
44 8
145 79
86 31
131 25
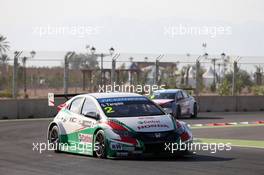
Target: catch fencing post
234 85
14 80
156 72
113 70
157 64
197 78
234 78
66 74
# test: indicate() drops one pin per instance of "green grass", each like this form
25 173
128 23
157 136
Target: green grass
235 142
226 126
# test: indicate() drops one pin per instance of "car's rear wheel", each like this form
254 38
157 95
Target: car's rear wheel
100 146
195 111
54 138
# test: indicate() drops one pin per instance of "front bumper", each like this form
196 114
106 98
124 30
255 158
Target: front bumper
145 146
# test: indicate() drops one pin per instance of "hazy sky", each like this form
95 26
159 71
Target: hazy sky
135 26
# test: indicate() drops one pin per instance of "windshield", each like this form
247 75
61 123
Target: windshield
129 107
164 96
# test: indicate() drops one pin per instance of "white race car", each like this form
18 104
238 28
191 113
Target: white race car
115 125
176 102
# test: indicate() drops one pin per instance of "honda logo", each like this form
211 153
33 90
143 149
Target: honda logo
157 135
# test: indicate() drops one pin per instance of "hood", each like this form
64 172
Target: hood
162 101
148 123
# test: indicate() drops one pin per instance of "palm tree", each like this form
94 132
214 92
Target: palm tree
185 75
3 59
3 44
4 67
258 74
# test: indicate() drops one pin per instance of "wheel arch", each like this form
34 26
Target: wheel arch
192 103
195 103
52 124
94 135
97 129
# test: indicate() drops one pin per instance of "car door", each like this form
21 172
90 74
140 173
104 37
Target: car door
87 124
182 102
70 122
187 102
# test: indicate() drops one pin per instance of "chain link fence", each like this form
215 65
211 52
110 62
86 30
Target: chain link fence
24 76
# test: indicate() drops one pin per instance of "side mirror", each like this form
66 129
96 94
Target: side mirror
93 115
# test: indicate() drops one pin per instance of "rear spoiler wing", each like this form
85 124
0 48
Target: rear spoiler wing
52 96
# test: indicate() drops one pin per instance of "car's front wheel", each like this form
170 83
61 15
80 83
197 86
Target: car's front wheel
100 146
195 111
177 112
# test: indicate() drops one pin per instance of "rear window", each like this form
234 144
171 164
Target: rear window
76 105
129 107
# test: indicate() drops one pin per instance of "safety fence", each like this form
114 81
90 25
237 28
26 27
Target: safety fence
25 76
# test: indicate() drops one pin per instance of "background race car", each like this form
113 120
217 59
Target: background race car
176 102
115 125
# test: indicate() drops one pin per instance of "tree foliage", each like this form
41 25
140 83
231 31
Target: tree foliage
4 44
224 88
242 79
83 61
258 90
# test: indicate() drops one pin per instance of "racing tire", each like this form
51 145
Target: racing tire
54 139
100 145
195 111
177 114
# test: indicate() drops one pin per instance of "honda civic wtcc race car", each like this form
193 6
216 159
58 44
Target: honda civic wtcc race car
176 102
109 125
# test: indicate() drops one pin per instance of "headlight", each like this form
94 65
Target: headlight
187 127
122 133
180 127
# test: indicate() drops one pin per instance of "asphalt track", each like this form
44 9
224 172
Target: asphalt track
17 155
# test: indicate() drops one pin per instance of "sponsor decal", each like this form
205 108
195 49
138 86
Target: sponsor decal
86 138
115 146
63 119
140 127
149 122
83 123
112 104
121 99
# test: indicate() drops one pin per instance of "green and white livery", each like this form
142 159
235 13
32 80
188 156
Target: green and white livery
110 125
